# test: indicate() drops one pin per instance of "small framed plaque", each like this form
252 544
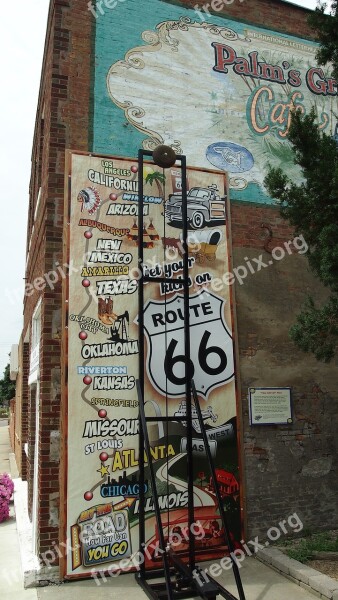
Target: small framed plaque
270 406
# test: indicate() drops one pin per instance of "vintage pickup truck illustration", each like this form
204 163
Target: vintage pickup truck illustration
204 206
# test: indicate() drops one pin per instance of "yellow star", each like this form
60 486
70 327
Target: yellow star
103 470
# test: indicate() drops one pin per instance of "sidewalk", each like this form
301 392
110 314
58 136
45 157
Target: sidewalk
260 582
11 580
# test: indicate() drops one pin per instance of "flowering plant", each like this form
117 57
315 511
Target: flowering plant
6 491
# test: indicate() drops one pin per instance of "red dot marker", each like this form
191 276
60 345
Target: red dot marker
102 413
88 496
134 169
103 456
83 335
87 380
88 234
113 196
85 282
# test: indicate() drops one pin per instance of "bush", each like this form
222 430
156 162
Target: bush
6 491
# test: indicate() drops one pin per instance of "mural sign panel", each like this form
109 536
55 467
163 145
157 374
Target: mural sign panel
102 476
215 89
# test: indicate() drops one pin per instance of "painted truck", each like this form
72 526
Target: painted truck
204 206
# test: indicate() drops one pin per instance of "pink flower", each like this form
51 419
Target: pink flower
6 491
6 480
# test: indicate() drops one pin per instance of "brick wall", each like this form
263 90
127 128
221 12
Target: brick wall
289 468
24 409
271 14
278 462
62 121
12 422
31 439
20 422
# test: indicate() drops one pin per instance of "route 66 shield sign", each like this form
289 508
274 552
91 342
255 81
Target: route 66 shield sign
211 345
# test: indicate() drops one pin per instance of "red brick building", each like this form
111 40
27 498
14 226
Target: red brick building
86 107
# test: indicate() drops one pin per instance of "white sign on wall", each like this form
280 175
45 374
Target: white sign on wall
270 406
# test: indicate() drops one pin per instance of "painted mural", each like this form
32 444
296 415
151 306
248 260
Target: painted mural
102 475
220 92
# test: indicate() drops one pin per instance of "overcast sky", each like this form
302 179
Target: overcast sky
21 43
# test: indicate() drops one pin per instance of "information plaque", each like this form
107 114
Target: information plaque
270 406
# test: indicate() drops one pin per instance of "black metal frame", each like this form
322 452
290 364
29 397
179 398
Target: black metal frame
190 581
218 495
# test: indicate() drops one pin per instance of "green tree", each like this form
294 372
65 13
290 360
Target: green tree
159 179
312 205
325 27
7 387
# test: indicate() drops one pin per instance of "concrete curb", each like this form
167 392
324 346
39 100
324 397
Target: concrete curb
321 585
34 574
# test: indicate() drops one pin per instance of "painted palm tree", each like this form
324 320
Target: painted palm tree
159 179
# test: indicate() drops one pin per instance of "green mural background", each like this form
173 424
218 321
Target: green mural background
161 56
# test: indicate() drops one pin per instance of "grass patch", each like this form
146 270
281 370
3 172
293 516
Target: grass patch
304 548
